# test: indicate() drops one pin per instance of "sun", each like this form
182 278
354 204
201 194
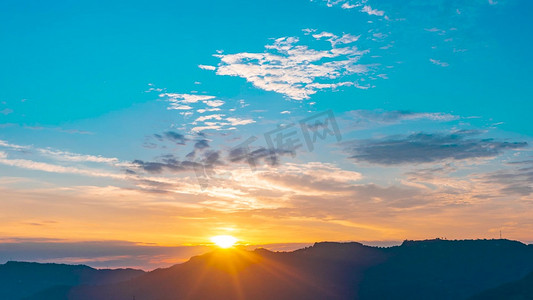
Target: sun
224 241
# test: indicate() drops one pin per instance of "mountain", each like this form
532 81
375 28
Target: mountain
432 269
442 269
22 279
517 290
324 271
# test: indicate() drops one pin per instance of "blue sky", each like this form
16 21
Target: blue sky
106 109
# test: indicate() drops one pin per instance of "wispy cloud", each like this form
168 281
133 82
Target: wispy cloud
6 111
13 146
371 11
347 4
363 117
517 180
74 157
182 101
239 121
52 168
104 254
205 67
297 71
194 103
61 156
439 63
427 147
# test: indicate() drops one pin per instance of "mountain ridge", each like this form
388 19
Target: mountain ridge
436 269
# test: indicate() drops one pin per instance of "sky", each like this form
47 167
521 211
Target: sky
133 131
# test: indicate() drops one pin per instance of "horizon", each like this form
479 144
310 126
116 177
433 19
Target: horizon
180 254
136 133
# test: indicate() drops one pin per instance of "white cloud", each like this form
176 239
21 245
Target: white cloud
367 9
203 110
321 170
334 39
210 117
348 5
295 70
180 107
153 88
439 63
207 127
182 101
13 146
214 103
186 98
344 4
205 67
46 167
74 157
194 103
59 155
237 121
323 34
365 117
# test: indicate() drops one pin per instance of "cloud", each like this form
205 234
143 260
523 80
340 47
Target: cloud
335 40
209 126
345 4
172 136
297 71
110 254
205 67
13 146
216 122
201 157
98 254
220 123
373 12
203 110
173 164
314 176
362 117
209 117
201 144
439 63
74 157
6 111
214 103
64 155
184 101
253 157
58 129
185 98
238 121
426 147
175 137
517 181
52 168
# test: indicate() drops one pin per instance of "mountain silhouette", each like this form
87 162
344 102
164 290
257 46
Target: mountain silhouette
517 290
442 269
431 269
20 280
